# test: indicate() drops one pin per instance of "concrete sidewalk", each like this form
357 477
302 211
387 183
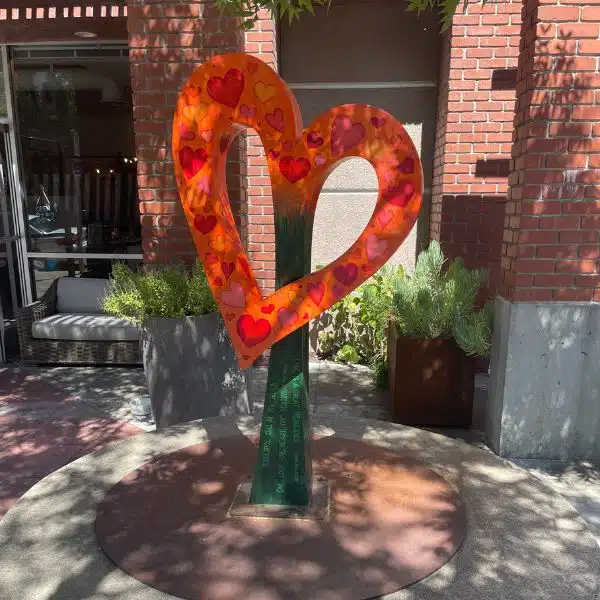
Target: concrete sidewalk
42 428
50 416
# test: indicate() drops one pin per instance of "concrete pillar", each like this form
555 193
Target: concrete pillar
545 388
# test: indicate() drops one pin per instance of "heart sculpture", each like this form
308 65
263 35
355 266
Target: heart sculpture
233 91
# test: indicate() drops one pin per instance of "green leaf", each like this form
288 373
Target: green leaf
347 354
434 302
170 291
248 11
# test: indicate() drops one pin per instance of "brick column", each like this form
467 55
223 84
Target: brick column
262 43
545 397
550 249
474 132
167 41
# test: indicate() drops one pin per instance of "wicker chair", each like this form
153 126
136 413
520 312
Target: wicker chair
51 351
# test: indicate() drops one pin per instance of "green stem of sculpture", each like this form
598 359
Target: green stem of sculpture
283 472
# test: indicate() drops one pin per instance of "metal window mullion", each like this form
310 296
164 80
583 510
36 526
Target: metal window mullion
36 46
363 85
14 179
80 255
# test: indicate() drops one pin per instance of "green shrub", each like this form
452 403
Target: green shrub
169 291
357 332
347 354
439 302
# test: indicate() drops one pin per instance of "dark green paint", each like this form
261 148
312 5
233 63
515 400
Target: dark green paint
283 471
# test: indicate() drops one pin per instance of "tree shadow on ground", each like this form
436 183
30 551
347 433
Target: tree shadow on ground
522 542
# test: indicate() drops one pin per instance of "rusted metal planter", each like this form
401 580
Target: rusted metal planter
431 381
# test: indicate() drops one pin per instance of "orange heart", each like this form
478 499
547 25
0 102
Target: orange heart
264 92
297 174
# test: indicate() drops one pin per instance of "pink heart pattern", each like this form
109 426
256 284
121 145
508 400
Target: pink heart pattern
346 274
186 134
204 185
375 247
345 134
286 316
234 296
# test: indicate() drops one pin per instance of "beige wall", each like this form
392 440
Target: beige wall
345 206
361 42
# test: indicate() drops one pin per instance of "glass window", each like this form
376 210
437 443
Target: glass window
10 300
6 216
46 270
9 291
3 103
77 148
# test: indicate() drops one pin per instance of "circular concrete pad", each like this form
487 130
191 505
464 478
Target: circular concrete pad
392 522
523 542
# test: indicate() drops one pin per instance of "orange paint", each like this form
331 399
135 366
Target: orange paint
234 91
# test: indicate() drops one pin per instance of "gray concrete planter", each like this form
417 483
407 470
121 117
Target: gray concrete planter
192 371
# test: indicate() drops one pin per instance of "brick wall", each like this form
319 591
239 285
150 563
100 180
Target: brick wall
437 188
550 249
474 133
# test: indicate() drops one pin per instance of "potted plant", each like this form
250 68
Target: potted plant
435 334
190 365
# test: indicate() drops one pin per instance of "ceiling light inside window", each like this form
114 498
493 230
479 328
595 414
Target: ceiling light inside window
86 34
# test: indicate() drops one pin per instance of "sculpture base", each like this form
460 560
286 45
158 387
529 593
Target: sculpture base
524 540
392 521
318 509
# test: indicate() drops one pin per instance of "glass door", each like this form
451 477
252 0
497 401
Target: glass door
78 175
10 292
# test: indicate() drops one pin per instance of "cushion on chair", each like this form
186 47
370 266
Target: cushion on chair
81 295
85 327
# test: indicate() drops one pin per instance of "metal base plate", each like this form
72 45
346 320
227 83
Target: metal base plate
317 510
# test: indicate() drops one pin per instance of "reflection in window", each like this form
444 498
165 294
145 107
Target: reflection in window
77 147
46 270
10 300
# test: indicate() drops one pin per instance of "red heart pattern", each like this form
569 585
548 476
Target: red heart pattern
205 224
407 165
186 134
252 331
227 90
401 194
192 161
223 93
346 274
316 291
228 268
345 134
276 120
377 122
314 140
294 169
